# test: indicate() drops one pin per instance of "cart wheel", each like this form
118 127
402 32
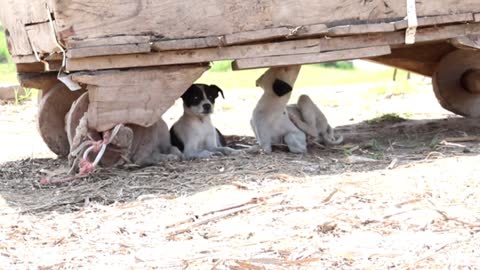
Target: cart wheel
51 117
72 119
456 82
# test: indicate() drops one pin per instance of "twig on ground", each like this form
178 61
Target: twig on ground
463 139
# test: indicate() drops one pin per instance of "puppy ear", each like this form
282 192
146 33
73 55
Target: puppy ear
217 89
281 88
193 86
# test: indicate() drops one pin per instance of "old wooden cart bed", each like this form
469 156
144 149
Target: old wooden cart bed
136 57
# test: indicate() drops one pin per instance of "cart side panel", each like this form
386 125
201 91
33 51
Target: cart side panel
173 19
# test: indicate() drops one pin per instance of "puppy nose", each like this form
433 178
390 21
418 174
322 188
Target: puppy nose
207 107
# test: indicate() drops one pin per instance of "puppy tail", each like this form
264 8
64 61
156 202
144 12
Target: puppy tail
329 137
221 138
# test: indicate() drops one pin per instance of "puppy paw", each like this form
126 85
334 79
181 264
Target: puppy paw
173 157
232 152
257 149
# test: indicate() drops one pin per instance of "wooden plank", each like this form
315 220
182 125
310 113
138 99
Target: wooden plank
41 38
421 59
19 59
467 42
344 30
310 58
106 41
258 35
190 56
81 19
311 30
109 50
268 49
134 96
39 66
477 17
183 44
437 20
219 41
43 81
14 15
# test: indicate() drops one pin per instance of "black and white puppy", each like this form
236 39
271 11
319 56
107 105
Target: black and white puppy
194 133
270 121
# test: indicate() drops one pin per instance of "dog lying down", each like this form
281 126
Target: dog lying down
310 119
270 121
194 133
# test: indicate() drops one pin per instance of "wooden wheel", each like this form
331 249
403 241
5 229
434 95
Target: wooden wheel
456 82
72 119
53 107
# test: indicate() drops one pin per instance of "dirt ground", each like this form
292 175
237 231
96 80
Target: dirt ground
400 193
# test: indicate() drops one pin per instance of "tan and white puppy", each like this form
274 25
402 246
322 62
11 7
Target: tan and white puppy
151 145
310 119
270 121
194 133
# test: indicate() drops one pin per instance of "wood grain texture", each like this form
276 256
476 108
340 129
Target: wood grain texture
137 96
310 58
467 42
258 35
109 50
173 19
107 41
269 49
421 59
41 38
14 15
344 30
437 20
42 81
191 43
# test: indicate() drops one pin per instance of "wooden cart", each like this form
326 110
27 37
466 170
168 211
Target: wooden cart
136 57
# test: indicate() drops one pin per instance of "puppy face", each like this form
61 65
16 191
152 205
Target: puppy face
279 81
199 99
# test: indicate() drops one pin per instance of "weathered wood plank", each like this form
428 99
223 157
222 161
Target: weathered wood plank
344 30
311 30
269 49
107 41
136 96
109 50
421 59
41 38
239 38
258 35
310 58
477 17
43 81
467 42
19 59
39 66
437 20
14 15
81 19
191 56
183 44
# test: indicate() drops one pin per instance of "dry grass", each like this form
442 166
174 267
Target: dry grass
396 195
397 218
276 211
